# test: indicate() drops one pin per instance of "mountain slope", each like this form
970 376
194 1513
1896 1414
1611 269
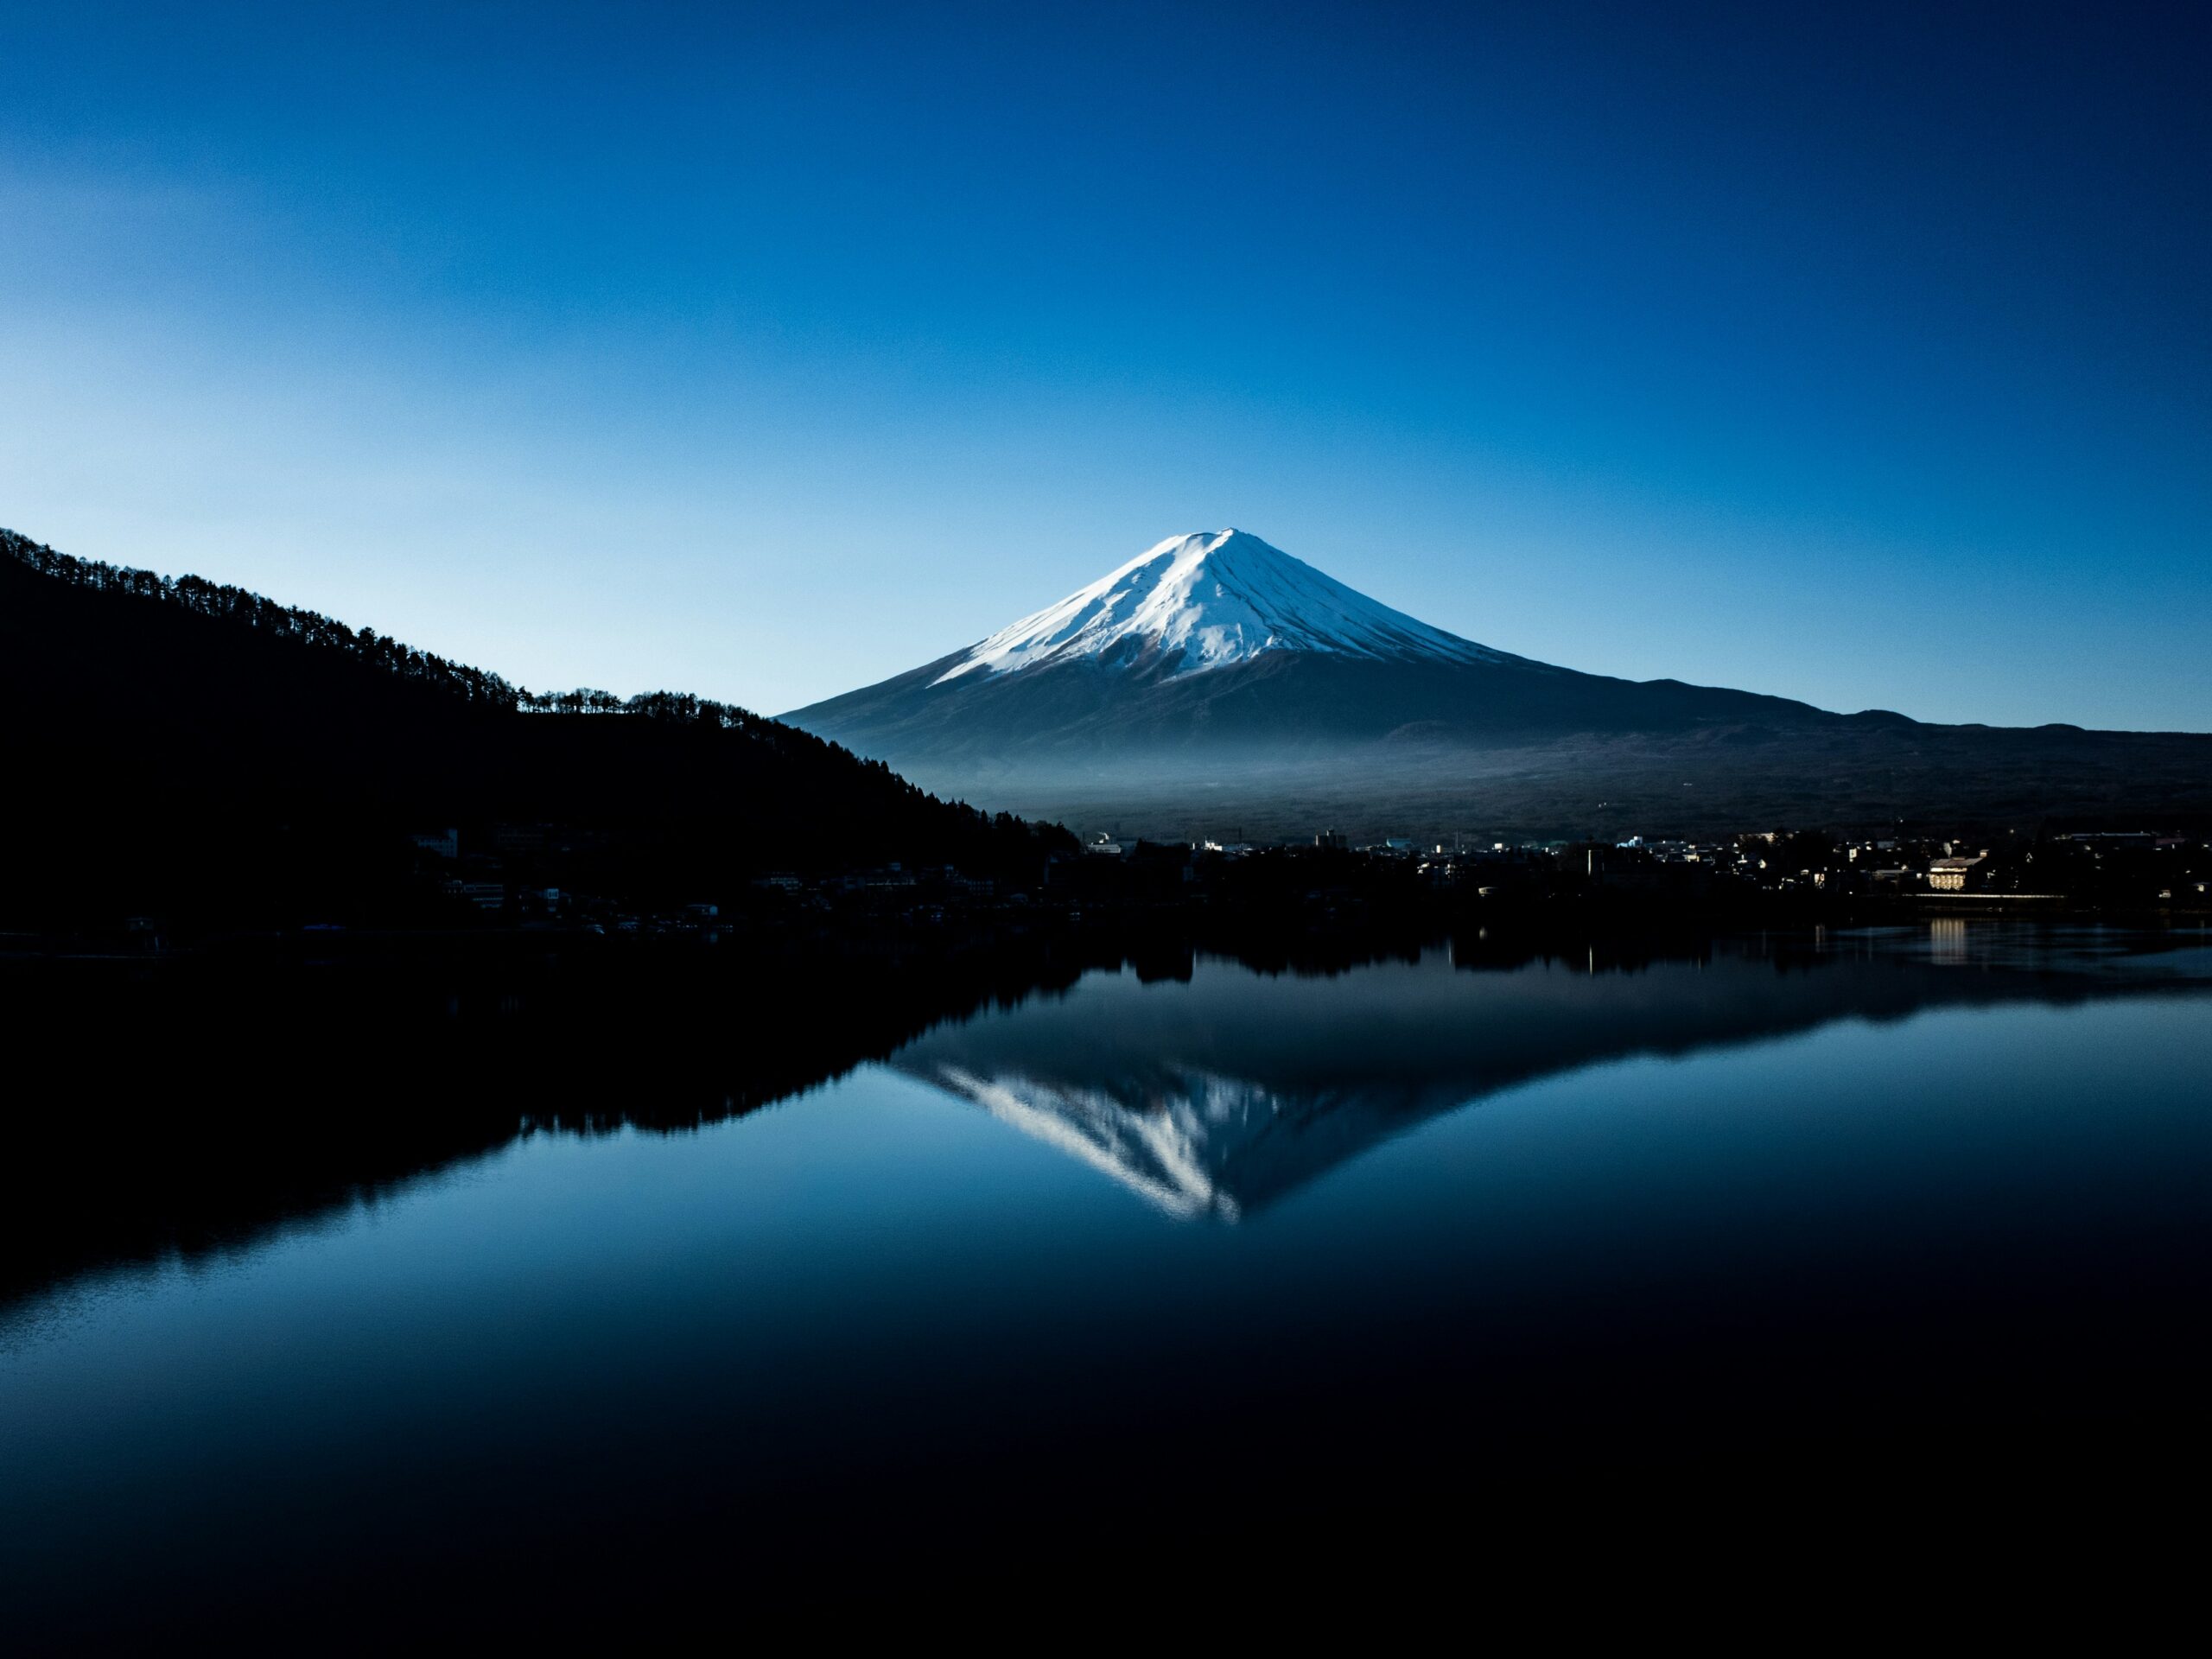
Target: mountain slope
196 746
1216 677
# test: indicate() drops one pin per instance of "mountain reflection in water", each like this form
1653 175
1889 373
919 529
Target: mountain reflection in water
190 1111
359 1298
1220 1096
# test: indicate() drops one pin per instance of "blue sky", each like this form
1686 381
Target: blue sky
1857 355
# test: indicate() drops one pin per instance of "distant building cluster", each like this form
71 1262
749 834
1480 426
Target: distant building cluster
534 876
2145 866
498 873
490 870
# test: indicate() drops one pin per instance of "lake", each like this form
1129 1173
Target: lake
1138 1272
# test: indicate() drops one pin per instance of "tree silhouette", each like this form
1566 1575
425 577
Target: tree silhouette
170 724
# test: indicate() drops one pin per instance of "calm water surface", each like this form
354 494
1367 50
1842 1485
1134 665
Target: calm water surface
1221 1252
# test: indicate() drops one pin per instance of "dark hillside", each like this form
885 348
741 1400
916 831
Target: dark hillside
173 743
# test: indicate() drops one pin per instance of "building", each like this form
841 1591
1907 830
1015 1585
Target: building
485 895
515 839
891 879
1952 875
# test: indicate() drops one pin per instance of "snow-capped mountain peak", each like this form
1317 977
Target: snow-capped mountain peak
1203 601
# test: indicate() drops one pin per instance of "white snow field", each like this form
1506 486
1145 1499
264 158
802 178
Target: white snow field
1204 602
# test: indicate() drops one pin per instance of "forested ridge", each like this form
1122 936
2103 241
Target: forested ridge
183 741
240 608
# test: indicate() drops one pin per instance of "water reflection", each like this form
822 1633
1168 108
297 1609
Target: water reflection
190 1113
872 1332
1217 1097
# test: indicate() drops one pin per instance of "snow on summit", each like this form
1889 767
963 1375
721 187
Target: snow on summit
1203 601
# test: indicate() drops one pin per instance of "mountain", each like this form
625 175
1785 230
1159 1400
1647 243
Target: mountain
1220 640
1215 678
198 749
1199 602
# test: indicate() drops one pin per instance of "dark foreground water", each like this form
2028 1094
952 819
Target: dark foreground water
1155 1284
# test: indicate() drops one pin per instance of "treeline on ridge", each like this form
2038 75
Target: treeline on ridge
184 742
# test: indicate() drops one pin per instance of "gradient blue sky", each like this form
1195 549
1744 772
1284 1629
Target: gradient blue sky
1861 356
